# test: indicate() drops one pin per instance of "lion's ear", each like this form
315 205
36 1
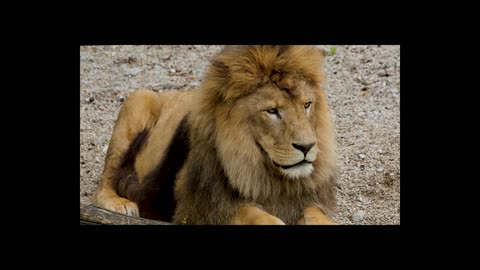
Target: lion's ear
220 74
221 70
322 50
282 49
326 51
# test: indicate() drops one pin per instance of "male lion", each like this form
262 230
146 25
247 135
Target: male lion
254 145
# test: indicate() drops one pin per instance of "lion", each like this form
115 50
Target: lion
254 145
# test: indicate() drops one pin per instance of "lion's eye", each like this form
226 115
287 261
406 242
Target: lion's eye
307 105
272 111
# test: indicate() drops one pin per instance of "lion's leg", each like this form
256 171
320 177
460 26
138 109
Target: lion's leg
139 112
314 216
251 215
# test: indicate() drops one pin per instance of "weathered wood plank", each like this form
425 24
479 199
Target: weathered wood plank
92 215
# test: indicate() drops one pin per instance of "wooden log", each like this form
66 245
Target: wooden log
92 215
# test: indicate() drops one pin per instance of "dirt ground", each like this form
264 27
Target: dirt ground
363 85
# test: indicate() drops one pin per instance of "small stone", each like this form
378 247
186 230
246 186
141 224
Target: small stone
380 169
172 70
121 99
134 71
99 140
358 216
89 99
169 86
362 156
383 74
361 113
105 149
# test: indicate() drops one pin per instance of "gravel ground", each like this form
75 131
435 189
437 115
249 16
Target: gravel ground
363 85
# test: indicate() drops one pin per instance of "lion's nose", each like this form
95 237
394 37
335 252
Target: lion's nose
303 147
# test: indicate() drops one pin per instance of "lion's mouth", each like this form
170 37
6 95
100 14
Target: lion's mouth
286 167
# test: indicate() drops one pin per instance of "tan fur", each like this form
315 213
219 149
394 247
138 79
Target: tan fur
140 110
314 216
231 174
173 113
251 215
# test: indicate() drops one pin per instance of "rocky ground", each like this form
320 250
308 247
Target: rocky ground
363 85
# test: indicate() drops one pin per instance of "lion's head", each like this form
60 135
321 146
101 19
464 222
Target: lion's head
270 121
278 119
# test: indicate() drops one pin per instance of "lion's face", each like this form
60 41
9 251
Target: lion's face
280 123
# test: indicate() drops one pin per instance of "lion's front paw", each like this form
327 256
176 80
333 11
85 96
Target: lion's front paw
252 215
315 221
319 221
122 206
315 216
268 220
